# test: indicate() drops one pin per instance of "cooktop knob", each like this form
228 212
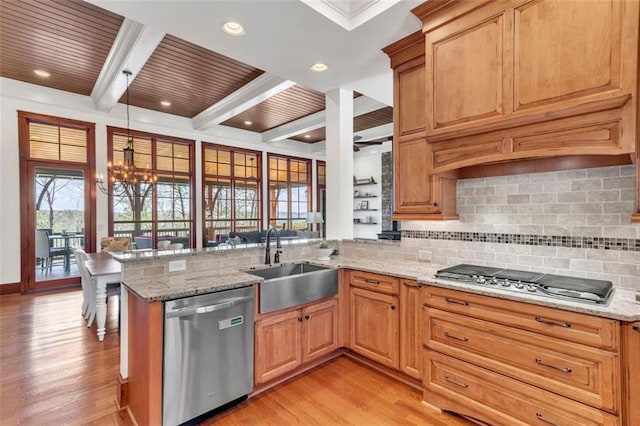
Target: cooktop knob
494 281
531 288
519 285
506 283
481 280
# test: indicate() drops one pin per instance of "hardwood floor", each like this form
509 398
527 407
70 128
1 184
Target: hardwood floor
54 371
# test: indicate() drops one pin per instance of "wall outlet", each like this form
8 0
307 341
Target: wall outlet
177 265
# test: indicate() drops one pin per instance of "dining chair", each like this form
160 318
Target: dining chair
176 246
45 252
89 288
87 295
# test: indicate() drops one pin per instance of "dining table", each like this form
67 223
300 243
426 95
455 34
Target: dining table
104 270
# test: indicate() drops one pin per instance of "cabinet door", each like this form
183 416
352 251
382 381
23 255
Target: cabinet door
631 336
374 326
277 345
413 180
564 51
410 336
319 330
465 70
409 98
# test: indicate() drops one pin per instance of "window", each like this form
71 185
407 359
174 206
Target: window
289 192
232 191
145 215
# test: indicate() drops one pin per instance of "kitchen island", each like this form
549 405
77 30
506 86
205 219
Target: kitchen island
148 284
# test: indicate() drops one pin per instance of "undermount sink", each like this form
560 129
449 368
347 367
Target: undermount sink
293 284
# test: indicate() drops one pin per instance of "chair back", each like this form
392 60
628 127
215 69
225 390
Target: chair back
115 244
42 243
164 244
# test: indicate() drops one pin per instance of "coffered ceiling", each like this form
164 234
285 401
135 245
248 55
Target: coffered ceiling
84 47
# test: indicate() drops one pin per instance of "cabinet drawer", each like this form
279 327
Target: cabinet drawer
585 374
458 386
580 328
374 282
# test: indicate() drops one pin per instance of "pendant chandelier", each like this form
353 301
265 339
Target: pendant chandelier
125 178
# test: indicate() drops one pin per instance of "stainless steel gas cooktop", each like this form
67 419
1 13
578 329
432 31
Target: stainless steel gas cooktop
550 285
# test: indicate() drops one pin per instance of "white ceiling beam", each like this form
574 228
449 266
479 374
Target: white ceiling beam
131 49
250 95
361 105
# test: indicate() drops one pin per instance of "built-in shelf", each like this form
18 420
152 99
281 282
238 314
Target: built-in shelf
367 196
365 210
365 184
365 223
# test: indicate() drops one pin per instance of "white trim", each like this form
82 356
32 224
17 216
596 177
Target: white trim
133 46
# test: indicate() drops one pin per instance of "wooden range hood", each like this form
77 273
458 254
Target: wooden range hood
502 87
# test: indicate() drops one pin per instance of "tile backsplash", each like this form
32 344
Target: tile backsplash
573 222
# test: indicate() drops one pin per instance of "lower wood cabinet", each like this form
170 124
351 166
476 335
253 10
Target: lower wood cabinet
284 341
631 362
505 362
410 336
374 325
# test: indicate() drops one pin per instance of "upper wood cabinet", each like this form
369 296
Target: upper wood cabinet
418 194
514 79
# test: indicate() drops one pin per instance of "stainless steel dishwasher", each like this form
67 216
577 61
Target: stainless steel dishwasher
208 353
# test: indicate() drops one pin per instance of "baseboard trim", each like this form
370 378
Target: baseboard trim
10 288
394 374
258 389
122 395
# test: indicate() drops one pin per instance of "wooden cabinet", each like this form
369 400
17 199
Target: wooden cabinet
278 345
286 340
512 363
410 326
319 330
418 193
631 376
521 78
385 321
374 326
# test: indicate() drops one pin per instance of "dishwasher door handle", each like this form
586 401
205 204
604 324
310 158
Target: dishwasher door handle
224 304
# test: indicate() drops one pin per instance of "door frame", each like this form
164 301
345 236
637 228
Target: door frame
27 198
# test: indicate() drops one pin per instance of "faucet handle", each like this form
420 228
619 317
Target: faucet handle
276 257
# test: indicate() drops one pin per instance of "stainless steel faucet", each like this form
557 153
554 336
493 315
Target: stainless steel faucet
267 250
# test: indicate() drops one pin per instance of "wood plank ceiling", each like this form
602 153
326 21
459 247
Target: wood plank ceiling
69 39
72 39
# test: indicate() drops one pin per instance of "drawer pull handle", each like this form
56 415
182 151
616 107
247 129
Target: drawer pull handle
370 281
541 418
462 339
636 327
456 302
565 369
559 324
462 385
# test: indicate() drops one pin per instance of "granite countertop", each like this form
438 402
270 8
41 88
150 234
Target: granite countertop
185 284
622 304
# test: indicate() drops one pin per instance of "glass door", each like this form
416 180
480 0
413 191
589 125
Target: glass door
59 200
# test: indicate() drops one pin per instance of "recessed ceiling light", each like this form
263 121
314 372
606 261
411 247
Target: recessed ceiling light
319 67
248 123
42 73
165 103
307 136
233 28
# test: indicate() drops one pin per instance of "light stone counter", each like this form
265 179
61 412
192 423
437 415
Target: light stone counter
622 304
185 284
